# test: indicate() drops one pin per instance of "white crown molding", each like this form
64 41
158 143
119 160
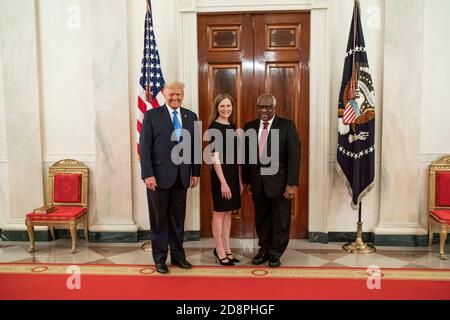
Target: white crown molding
83 157
54 157
430 157
249 5
199 6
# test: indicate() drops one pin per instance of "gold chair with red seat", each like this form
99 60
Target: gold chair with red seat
439 202
67 201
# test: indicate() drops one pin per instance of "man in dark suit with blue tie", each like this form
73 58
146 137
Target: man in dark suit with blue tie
166 179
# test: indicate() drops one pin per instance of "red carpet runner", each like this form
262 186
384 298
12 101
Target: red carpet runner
32 281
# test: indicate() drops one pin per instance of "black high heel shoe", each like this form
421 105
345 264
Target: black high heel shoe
233 259
221 261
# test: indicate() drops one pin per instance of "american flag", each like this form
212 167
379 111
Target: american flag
151 81
349 113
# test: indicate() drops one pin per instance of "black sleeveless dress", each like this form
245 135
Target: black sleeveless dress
230 172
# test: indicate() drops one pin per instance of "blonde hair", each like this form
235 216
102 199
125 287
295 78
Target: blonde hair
175 84
214 114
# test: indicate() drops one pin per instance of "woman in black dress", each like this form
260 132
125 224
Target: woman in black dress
226 182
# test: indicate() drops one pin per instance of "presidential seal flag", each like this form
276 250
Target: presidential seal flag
356 115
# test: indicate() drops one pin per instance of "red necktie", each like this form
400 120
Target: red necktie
263 138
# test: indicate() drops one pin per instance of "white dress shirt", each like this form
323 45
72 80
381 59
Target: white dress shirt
170 110
261 126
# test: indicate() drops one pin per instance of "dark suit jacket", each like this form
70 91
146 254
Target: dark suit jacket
287 172
156 147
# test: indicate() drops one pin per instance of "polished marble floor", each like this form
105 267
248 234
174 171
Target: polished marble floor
299 253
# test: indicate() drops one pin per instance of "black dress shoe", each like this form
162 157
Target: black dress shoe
274 262
161 268
184 264
222 261
233 259
260 258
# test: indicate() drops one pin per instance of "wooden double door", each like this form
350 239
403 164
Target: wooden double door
247 55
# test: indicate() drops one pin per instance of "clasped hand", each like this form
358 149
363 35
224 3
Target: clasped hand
150 183
289 192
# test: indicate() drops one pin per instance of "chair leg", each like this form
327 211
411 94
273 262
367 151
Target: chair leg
52 232
73 234
86 228
442 237
430 233
30 229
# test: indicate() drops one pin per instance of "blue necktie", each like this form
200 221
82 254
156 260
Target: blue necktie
176 125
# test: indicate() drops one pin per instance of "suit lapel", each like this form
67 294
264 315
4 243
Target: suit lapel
275 125
256 126
184 119
166 118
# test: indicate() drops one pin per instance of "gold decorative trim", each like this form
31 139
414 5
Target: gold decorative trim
65 166
235 272
440 165
445 161
68 166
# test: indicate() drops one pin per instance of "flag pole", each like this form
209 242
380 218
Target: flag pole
359 246
151 81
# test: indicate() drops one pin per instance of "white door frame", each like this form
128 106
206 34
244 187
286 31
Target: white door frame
319 102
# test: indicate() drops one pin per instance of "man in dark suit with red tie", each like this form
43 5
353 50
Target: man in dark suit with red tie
271 177
166 179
